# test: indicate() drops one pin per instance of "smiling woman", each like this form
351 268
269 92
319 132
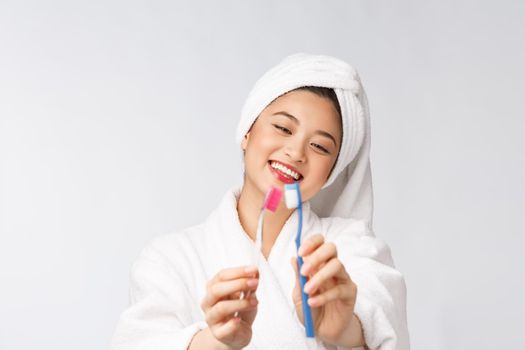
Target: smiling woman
299 132
306 121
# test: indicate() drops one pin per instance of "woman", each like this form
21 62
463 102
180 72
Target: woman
305 120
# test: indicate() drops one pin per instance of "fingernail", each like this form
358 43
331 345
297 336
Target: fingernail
252 282
305 268
254 301
250 269
308 287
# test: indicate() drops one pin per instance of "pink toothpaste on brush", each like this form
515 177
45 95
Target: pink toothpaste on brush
271 202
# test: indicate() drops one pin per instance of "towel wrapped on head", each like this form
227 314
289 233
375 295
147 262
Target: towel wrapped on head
348 190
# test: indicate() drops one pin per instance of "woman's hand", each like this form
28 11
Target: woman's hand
331 292
222 301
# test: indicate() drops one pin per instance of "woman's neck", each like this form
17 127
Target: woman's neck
249 209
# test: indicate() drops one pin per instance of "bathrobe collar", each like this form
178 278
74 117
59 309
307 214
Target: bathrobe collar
276 275
230 217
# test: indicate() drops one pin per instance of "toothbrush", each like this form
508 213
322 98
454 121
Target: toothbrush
292 195
271 202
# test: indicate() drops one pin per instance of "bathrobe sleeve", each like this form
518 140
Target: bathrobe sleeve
160 315
381 289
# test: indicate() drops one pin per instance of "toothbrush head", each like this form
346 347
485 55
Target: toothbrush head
292 195
273 197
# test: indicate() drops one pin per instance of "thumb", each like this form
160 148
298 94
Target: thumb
293 261
297 289
296 293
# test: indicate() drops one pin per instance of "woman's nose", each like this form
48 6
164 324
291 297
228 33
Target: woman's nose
295 151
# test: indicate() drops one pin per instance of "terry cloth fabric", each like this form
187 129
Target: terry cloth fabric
348 191
169 278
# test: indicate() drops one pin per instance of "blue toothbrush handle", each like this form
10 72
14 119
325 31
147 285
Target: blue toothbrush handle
307 312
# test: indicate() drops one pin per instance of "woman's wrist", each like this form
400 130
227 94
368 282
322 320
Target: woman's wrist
205 340
353 335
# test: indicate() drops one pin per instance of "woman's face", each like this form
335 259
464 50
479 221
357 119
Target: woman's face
295 138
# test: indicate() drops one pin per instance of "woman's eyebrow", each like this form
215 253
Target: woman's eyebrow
286 114
296 121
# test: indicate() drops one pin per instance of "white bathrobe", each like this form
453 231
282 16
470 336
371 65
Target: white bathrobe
168 283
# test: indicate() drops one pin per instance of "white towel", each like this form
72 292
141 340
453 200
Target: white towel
348 191
168 280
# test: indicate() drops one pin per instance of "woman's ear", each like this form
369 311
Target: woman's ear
245 141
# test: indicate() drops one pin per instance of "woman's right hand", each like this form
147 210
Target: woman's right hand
222 301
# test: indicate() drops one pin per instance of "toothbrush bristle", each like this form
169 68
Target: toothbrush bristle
290 195
273 197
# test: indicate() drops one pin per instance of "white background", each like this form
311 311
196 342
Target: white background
117 123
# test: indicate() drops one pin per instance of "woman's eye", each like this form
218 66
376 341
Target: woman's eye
283 129
321 148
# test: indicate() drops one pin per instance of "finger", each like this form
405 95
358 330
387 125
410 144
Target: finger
296 293
295 267
293 261
227 308
315 259
241 295
223 331
345 292
226 275
310 244
249 315
221 290
235 273
332 269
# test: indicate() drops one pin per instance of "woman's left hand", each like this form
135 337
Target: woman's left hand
331 292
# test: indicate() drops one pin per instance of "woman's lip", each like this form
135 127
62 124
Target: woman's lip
280 176
288 166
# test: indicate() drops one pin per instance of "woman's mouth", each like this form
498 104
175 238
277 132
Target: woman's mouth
284 172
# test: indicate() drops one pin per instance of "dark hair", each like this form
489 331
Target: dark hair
329 94
323 92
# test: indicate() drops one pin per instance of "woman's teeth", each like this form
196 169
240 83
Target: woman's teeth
284 170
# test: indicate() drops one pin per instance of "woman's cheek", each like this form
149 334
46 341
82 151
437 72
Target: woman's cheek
265 140
324 169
